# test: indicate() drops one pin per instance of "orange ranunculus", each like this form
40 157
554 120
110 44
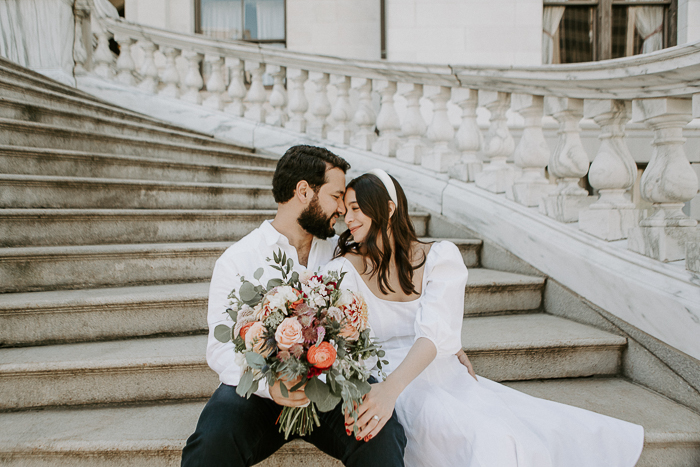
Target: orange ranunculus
244 329
321 356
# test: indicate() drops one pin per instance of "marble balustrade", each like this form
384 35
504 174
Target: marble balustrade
291 89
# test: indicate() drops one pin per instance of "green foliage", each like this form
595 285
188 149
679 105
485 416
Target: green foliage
222 333
320 394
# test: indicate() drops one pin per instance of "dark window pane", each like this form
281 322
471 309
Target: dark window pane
619 31
576 34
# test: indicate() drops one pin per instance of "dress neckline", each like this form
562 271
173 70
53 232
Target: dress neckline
359 276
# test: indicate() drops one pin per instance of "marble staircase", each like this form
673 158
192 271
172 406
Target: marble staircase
107 241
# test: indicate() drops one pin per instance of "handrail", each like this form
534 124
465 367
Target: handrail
672 72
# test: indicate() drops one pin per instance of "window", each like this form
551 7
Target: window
250 20
586 30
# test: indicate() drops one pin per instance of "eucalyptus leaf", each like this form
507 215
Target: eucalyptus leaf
328 404
247 292
295 277
290 264
251 391
320 394
232 313
363 386
222 333
272 283
298 385
283 389
255 360
258 273
245 383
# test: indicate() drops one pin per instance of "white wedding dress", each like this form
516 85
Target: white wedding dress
452 420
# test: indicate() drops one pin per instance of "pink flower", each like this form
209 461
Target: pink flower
288 333
254 337
350 332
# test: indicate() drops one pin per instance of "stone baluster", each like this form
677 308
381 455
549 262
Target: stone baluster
468 136
692 247
497 176
298 105
81 56
320 107
531 154
440 133
215 84
171 77
257 96
342 112
236 88
668 181
388 123
413 128
278 96
568 162
104 59
149 72
364 118
193 79
125 63
612 172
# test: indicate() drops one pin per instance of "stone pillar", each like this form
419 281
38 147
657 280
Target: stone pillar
278 96
497 175
531 154
193 79
104 60
568 162
149 72
692 248
440 133
125 63
236 89
298 105
81 53
171 77
215 84
388 123
342 112
256 97
668 181
468 136
364 118
413 128
320 108
612 173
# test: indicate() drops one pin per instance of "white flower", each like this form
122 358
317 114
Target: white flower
305 276
345 298
335 314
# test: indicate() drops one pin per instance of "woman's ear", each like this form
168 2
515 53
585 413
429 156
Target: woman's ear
392 208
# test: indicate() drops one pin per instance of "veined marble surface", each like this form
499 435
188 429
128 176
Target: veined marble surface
661 299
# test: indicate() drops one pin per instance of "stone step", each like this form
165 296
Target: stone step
21 111
469 247
45 191
497 292
539 346
516 348
28 77
66 163
41 135
153 435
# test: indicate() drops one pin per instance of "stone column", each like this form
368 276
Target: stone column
125 63
215 84
692 248
257 96
278 96
531 154
104 60
193 79
568 162
171 77
612 173
364 118
497 175
440 133
668 181
81 54
236 88
149 72
388 123
468 136
320 108
342 112
298 104
413 128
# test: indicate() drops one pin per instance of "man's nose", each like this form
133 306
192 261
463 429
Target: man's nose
341 208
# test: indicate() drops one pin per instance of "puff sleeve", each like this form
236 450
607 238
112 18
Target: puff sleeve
441 310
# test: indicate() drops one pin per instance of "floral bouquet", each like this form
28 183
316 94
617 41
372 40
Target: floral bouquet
296 329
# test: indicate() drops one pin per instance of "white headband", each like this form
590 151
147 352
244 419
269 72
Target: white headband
388 183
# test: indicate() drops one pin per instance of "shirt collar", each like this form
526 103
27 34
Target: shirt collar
271 235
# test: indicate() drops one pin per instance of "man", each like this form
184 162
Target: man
308 186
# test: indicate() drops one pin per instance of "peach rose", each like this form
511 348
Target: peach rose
288 333
244 329
350 332
254 337
321 356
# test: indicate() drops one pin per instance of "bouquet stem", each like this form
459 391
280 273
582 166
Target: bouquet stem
298 420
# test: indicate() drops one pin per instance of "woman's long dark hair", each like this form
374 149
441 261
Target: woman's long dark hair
373 199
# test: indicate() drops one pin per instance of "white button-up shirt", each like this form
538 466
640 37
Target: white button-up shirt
242 259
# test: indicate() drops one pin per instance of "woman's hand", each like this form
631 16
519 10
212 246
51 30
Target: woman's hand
464 360
376 409
295 398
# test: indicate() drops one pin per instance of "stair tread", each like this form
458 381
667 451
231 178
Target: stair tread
73 212
124 181
482 277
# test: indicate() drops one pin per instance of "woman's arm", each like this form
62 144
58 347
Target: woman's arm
381 400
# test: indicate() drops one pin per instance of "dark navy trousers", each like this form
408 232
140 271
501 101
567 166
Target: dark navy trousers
235 431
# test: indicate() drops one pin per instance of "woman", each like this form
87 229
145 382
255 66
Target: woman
415 294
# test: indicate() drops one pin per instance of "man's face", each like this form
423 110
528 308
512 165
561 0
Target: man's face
320 215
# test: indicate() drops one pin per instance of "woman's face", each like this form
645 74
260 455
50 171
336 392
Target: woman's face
356 220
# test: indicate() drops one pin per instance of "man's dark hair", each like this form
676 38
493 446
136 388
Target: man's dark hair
303 163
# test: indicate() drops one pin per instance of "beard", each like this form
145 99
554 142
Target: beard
315 221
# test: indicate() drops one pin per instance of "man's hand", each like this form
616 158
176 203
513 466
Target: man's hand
464 360
296 398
